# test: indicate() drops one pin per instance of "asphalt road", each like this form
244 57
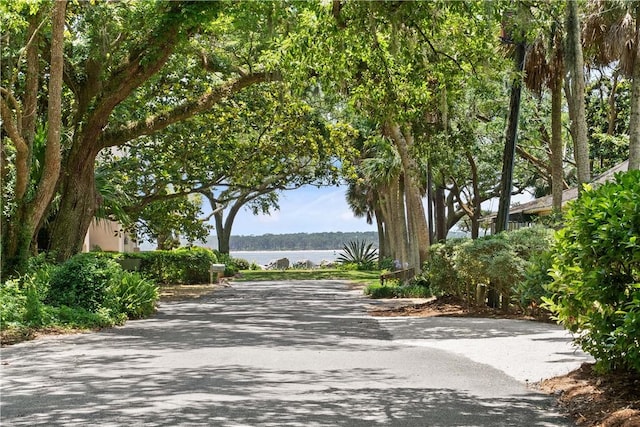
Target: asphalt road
287 354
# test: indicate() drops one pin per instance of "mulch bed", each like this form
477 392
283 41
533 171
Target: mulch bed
454 307
591 399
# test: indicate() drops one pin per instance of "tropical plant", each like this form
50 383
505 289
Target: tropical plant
132 294
360 253
611 30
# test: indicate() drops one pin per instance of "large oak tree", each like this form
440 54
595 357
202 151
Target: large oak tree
130 69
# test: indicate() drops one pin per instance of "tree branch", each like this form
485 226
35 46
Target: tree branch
439 52
22 149
542 167
144 201
189 109
336 8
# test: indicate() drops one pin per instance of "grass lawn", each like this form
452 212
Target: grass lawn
366 277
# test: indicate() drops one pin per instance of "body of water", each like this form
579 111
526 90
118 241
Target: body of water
266 257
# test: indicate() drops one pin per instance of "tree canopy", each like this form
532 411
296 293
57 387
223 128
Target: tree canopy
144 111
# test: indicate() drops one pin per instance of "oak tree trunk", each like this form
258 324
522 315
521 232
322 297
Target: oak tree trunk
78 203
23 230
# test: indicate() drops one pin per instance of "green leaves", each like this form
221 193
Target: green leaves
133 295
509 263
596 271
261 140
82 282
359 253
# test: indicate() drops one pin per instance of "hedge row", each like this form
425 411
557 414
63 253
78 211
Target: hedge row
179 266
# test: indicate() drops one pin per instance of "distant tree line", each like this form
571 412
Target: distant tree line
300 241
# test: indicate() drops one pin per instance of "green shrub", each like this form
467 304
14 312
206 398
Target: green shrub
376 290
498 262
82 281
87 291
179 266
132 294
394 289
529 293
441 269
78 317
532 245
360 253
596 272
12 303
230 267
241 264
529 242
386 264
349 266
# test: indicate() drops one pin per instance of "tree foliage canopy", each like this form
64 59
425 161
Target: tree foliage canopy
180 103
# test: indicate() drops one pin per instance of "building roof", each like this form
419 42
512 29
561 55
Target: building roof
544 204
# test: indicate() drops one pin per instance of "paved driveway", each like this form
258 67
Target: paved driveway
287 354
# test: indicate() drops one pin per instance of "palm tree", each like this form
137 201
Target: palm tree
612 29
545 67
513 34
575 92
363 202
414 189
382 171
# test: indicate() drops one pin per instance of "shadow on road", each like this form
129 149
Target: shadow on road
235 395
258 355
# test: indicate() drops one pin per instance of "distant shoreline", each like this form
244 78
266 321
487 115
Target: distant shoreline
296 241
266 257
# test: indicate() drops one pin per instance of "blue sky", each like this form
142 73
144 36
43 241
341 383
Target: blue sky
310 209
305 210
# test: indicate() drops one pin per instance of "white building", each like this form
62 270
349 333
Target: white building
107 235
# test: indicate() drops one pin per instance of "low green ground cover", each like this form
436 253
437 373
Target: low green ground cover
397 289
370 278
314 274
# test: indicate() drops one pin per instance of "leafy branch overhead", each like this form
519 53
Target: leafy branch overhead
176 104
